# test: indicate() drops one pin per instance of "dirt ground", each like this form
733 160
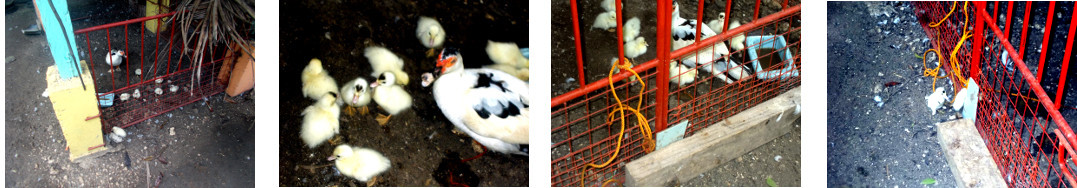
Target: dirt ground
418 139
862 137
892 145
896 144
210 148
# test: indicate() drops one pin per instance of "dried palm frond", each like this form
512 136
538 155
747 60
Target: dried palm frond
207 23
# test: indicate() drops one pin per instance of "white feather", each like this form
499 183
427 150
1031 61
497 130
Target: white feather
359 163
356 98
606 20
459 96
115 57
635 48
391 97
316 81
631 29
383 60
935 100
608 5
508 58
680 74
430 32
737 42
320 121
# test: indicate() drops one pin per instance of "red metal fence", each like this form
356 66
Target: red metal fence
1019 121
583 133
155 68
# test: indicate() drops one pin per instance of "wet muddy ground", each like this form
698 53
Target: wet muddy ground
418 139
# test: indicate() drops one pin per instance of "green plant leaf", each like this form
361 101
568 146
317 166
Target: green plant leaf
928 181
918 56
771 182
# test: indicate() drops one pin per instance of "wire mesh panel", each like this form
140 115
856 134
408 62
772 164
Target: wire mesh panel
1021 126
156 74
587 129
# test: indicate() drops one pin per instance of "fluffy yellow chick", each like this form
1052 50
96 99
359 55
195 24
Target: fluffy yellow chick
508 58
316 81
383 60
359 163
320 121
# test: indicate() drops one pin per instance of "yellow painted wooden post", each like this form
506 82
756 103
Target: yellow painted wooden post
73 105
152 9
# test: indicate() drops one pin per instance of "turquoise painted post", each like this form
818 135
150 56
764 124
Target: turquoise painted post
56 22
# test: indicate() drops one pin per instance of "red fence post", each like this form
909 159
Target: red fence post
579 50
1065 62
664 18
1046 39
977 44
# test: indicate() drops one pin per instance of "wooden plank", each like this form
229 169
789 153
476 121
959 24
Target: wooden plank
716 144
969 159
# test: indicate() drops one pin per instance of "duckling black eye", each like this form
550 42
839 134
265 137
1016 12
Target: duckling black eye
358 87
333 94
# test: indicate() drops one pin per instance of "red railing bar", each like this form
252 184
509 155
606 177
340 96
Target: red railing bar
561 99
105 26
785 3
756 16
995 13
1024 29
699 30
620 36
665 11
95 147
108 42
127 50
1046 39
163 76
1065 62
1009 19
142 51
168 65
977 44
169 109
88 46
579 48
1026 74
728 16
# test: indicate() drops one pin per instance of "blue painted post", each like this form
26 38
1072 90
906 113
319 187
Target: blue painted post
56 22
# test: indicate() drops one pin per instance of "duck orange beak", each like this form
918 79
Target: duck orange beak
446 63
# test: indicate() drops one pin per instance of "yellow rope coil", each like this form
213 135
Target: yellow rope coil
644 127
954 64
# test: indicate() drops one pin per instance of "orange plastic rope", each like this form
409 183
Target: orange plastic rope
956 66
644 127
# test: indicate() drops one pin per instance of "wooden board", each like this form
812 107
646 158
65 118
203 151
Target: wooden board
716 144
969 159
